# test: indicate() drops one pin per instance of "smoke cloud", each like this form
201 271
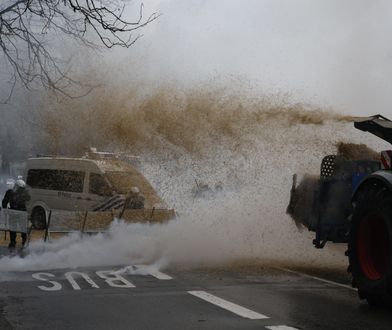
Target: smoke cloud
244 93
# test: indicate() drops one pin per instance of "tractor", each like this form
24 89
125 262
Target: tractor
351 202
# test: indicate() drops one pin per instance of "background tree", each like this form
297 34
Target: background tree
26 27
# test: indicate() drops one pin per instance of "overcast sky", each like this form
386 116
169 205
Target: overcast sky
329 52
334 53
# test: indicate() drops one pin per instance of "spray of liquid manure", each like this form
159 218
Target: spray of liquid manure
250 145
302 202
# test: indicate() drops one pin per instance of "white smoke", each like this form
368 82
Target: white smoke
212 236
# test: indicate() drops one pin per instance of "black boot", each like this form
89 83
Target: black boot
24 238
12 246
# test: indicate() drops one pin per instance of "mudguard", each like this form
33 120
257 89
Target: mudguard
383 177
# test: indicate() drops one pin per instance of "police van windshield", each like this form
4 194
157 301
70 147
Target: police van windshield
122 182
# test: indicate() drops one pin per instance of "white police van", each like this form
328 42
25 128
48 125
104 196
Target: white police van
82 184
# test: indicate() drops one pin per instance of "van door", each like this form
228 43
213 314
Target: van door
69 189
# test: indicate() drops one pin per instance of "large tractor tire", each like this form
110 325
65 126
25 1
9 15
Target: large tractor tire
38 218
370 246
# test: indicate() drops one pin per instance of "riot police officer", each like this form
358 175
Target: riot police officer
16 199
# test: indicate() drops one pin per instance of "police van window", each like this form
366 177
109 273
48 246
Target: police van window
60 180
40 179
98 185
71 181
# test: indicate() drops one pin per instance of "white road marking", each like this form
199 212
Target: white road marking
236 309
160 276
150 271
113 279
280 327
317 278
69 276
40 276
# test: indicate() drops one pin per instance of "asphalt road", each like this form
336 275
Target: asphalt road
235 297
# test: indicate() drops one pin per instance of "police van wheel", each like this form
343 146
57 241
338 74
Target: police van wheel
370 247
38 218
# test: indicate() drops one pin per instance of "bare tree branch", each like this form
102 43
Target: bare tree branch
11 6
27 25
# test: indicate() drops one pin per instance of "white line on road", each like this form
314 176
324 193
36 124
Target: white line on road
153 272
280 327
160 276
70 277
236 309
317 278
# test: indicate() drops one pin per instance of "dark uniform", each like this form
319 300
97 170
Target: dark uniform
135 200
16 199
